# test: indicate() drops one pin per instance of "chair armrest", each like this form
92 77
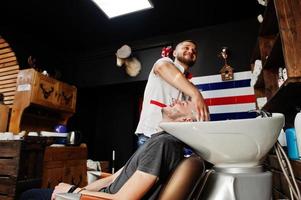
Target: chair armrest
89 197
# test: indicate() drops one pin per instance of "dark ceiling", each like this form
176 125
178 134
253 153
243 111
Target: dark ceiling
74 25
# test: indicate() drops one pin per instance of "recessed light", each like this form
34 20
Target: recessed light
114 8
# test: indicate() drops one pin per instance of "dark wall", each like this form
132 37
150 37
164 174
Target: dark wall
58 62
107 116
99 67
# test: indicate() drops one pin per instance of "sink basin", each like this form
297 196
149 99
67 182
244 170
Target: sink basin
229 143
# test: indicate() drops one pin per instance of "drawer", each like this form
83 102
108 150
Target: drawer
65 153
9 166
7 186
67 97
10 156
10 148
45 91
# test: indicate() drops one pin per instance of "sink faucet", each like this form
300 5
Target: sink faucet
262 113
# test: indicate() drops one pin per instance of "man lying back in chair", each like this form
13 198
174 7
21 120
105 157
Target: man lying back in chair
144 173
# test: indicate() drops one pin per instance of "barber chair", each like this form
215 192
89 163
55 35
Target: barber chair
181 184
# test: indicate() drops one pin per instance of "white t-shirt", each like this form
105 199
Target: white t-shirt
158 93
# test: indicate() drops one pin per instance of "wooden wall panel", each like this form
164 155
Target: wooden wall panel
9 70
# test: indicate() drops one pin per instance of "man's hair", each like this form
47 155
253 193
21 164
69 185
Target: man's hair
191 113
191 41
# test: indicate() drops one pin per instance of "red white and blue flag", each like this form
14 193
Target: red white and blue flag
228 99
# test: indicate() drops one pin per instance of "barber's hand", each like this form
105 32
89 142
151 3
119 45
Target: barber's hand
60 188
201 108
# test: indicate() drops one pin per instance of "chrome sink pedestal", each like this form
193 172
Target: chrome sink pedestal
238 184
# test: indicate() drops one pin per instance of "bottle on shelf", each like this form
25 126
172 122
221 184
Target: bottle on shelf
292 146
297 124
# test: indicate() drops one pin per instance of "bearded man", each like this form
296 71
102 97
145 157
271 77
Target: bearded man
167 82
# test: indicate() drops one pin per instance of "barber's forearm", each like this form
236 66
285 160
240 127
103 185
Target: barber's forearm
172 75
187 87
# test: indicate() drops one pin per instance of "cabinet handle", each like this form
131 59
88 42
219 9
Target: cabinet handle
66 98
46 93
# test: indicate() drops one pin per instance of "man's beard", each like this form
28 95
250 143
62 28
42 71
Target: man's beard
188 62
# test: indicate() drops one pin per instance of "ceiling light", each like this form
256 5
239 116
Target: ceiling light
114 8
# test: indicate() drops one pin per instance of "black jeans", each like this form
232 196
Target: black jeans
37 194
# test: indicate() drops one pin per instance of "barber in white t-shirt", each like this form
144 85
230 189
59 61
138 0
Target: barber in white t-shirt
167 82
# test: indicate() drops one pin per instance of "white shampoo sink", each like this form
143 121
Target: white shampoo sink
230 143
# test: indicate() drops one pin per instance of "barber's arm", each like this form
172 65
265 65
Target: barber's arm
173 76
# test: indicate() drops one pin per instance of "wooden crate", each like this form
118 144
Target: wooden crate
21 164
9 163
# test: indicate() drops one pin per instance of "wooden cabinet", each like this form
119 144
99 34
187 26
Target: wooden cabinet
279 46
65 164
41 102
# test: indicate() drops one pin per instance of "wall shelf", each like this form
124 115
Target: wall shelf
269 25
279 45
286 100
275 58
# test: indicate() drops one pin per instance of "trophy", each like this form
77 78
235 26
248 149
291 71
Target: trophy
227 70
